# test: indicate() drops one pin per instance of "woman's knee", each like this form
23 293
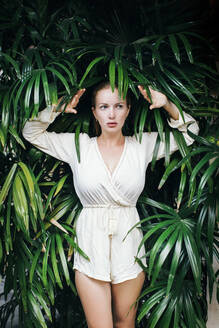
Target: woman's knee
95 296
125 322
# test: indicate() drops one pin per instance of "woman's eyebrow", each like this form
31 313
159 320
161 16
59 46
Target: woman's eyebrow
119 102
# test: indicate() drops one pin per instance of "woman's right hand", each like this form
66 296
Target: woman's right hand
71 106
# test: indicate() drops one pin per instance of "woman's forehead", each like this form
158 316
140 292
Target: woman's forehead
107 95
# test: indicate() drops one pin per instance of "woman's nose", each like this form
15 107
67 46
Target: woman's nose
112 112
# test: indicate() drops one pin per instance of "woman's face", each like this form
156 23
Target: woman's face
110 110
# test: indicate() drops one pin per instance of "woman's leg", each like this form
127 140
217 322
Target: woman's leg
95 296
123 296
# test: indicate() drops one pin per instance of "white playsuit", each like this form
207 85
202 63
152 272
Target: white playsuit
109 200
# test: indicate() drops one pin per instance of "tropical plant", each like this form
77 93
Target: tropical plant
48 51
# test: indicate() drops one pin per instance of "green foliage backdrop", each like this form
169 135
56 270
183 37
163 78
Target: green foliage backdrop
51 50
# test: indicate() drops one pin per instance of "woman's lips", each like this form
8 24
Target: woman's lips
111 124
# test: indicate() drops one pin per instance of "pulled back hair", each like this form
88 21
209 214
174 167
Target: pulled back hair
106 85
101 86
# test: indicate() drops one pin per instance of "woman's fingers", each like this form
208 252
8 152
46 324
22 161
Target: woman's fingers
143 92
75 100
70 107
157 97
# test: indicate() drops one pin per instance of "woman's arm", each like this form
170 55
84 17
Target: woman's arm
176 121
58 145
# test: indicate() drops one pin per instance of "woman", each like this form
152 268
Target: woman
108 181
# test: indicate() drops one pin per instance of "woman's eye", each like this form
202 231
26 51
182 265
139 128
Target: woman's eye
103 107
119 106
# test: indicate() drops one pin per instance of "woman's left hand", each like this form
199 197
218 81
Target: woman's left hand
158 98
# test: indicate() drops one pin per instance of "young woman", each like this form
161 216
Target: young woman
108 180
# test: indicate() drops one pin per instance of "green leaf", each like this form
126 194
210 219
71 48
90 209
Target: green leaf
167 147
174 47
67 71
158 311
155 298
112 73
161 206
120 79
54 263
90 66
77 140
172 95
28 177
7 183
46 88
187 47
174 262
41 300
149 218
2 137
1 251
21 275
36 94
143 117
76 247
181 187
156 54
138 52
8 234
181 86
34 264
20 204
155 152
170 232
208 173
45 262
159 123
60 77
36 310
60 184
193 255
182 146
13 62
192 181
18 97
153 230
28 94
63 258
14 133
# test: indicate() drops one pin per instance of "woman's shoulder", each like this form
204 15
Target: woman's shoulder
143 138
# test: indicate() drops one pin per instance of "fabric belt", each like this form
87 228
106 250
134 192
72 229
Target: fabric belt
112 220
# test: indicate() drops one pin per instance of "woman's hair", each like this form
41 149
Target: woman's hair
106 85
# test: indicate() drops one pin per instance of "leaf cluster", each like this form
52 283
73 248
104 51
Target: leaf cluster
51 50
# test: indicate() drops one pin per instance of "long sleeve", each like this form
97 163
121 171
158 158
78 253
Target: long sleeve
149 138
58 145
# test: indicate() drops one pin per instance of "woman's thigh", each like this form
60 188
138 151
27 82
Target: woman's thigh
95 296
124 296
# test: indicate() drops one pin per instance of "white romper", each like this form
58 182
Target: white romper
109 200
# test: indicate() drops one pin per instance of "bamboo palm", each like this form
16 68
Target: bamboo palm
48 52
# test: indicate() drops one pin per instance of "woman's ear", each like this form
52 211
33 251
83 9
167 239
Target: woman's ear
93 110
129 107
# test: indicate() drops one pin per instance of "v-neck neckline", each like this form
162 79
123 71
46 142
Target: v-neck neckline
111 174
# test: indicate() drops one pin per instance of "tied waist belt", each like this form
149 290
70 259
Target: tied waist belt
112 220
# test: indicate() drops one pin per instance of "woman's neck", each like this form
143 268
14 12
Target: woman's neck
112 139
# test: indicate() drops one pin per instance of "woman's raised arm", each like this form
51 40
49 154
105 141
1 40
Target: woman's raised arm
176 121
58 145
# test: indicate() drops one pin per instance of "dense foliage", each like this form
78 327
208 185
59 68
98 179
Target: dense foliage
51 50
